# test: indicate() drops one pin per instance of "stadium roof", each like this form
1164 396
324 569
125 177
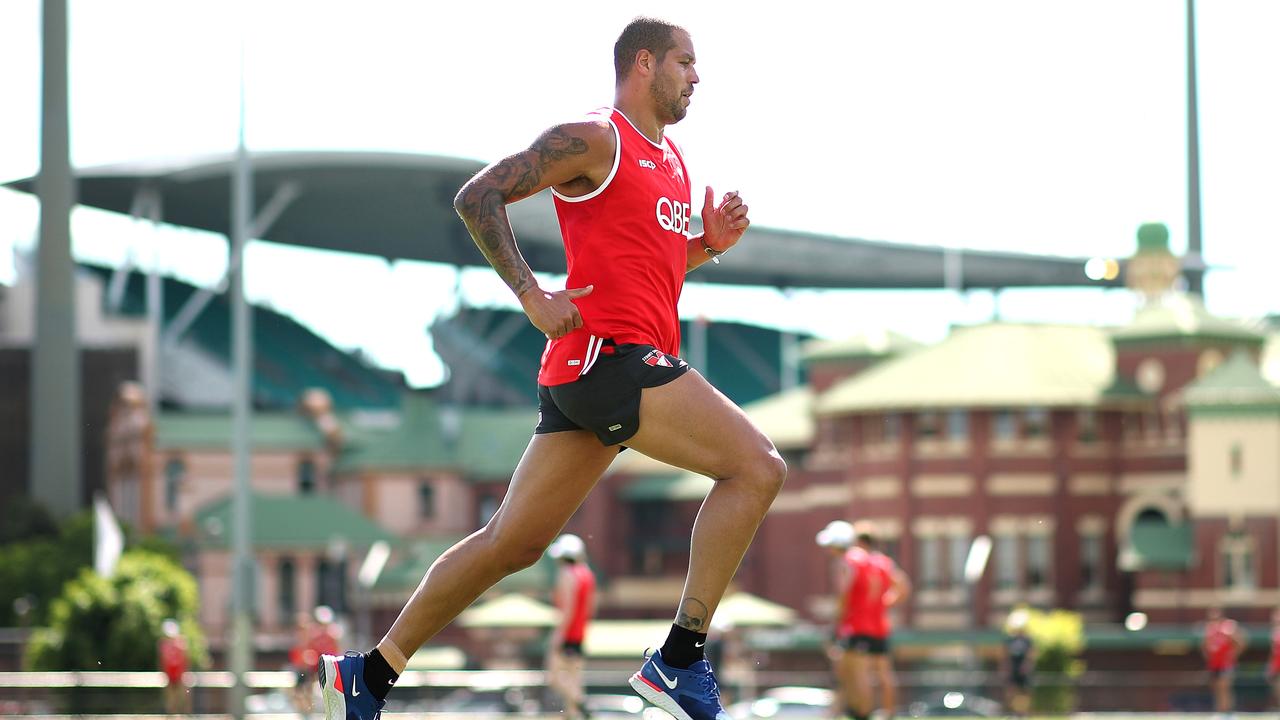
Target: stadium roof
400 205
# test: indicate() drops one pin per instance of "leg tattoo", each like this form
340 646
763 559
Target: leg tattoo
692 615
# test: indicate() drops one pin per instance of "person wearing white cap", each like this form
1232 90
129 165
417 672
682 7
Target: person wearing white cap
575 597
172 649
835 539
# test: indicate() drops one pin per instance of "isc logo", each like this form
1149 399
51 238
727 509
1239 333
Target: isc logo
672 215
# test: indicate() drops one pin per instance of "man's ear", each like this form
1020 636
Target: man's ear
644 60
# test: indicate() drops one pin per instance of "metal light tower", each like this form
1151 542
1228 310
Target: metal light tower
241 416
1194 259
55 356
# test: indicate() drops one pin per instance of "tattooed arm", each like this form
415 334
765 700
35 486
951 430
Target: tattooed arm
574 158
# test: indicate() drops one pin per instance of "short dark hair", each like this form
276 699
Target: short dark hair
642 33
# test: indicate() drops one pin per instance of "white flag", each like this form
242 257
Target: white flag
108 541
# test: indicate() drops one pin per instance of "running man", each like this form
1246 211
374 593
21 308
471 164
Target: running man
1223 643
609 375
575 596
875 584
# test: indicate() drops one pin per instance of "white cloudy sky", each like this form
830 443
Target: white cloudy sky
1049 126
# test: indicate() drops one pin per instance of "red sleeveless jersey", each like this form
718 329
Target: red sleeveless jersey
578 613
1273 665
628 238
1219 644
864 609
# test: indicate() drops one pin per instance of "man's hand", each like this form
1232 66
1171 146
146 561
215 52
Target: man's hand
554 312
723 224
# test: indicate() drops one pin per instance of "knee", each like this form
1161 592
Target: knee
512 551
769 473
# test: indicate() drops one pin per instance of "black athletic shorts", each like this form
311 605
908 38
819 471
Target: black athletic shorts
866 644
1020 680
606 400
571 649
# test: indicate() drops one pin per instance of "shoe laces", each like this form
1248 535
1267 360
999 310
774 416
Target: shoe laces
707 682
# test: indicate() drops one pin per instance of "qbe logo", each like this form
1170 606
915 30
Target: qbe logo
672 215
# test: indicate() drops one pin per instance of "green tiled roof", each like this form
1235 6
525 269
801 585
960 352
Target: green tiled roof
485 442
268 431
996 365
291 521
1236 384
1182 317
685 486
492 441
1158 546
415 440
417 556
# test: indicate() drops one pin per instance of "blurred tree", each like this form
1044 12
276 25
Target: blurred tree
114 624
22 518
37 558
34 569
1058 636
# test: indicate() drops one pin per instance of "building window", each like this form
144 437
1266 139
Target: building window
930 562
1236 558
287 599
928 424
307 476
1035 423
1236 461
1003 426
892 427
958 425
1090 561
889 546
426 500
1038 562
175 471
1006 552
331 584
1086 426
957 553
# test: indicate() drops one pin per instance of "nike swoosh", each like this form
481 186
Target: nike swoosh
355 691
699 644
671 683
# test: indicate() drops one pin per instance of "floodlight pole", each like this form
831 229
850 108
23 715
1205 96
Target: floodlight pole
1195 258
241 655
55 355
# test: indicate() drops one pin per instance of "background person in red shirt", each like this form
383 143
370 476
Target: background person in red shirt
1223 642
1273 664
875 584
575 596
173 655
835 540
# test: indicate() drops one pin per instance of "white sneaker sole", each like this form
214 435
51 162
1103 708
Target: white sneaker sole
657 698
335 705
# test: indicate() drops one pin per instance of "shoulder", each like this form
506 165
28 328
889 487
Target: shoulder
593 133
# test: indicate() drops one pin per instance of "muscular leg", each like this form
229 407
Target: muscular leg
855 684
689 424
888 684
553 477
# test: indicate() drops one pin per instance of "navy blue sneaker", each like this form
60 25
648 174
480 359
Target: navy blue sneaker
686 694
346 697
